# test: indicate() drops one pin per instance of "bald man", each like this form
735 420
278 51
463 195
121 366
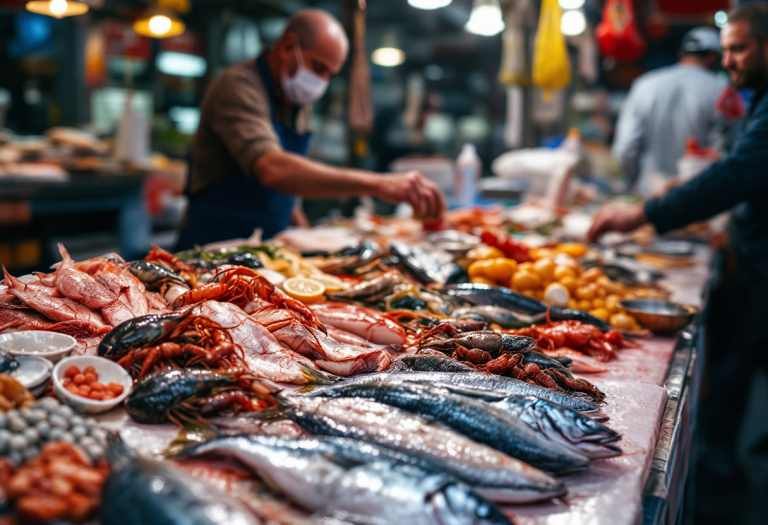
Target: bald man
249 160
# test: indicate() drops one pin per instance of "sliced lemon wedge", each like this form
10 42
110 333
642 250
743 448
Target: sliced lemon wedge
331 282
305 290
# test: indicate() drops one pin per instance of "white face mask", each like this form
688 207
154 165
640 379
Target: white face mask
305 86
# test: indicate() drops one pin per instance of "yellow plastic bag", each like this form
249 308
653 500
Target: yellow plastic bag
551 65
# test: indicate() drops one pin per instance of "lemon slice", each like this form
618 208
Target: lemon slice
305 290
331 282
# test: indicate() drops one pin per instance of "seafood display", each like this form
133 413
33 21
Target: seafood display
427 380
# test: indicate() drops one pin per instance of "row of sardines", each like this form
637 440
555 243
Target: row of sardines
367 386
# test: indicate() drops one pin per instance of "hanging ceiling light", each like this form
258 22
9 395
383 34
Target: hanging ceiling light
429 4
573 23
157 22
389 53
57 8
571 4
485 18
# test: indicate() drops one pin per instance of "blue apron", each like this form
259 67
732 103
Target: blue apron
234 207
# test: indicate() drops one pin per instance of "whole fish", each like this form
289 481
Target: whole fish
572 430
366 288
322 475
147 492
427 363
473 418
491 473
518 304
479 380
425 267
493 314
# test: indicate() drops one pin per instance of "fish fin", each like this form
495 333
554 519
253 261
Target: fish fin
190 434
118 453
315 377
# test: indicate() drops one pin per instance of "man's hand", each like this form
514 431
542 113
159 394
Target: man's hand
415 189
616 217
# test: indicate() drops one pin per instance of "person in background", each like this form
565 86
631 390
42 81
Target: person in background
249 160
665 108
737 340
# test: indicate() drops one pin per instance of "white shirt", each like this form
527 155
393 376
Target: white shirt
664 108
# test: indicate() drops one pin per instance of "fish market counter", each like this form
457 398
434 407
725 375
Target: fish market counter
651 397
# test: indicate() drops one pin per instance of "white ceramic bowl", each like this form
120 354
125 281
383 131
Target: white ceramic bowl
50 345
108 372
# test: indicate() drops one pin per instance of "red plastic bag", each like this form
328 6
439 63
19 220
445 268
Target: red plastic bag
617 35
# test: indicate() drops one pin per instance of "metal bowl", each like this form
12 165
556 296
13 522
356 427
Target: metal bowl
660 317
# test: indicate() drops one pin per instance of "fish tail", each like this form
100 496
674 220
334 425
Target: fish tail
316 377
191 433
118 453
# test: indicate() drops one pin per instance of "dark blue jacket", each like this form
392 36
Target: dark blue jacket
740 180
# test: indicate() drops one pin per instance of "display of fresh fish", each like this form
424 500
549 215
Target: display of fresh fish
264 355
363 322
425 267
480 380
350 477
147 492
517 303
56 308
491 473
571 429
473 418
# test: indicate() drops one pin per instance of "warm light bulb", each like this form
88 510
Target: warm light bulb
58 7
428 4
573 23
160 24
388 56
485 20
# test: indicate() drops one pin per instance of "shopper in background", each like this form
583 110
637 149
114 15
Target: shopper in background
737 338
665 108
249 160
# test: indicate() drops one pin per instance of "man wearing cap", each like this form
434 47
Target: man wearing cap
668 106
249 160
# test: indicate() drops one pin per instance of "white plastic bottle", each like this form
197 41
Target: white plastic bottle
468 168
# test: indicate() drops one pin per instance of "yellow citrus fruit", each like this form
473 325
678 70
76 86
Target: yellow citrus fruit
623 321
585 293
529 293
526 266
598 303
500 269
305 290
562 270
585 305
545 268
570 282
612 302
592 274
574 249
481 279
477 268
526 280
600 313
573 304
483 252
331 282
540 253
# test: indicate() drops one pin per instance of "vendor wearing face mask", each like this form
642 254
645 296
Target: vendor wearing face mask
249 160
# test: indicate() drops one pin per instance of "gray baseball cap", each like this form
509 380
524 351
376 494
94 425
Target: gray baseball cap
701 40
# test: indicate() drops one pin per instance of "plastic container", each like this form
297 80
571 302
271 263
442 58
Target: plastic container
468 168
